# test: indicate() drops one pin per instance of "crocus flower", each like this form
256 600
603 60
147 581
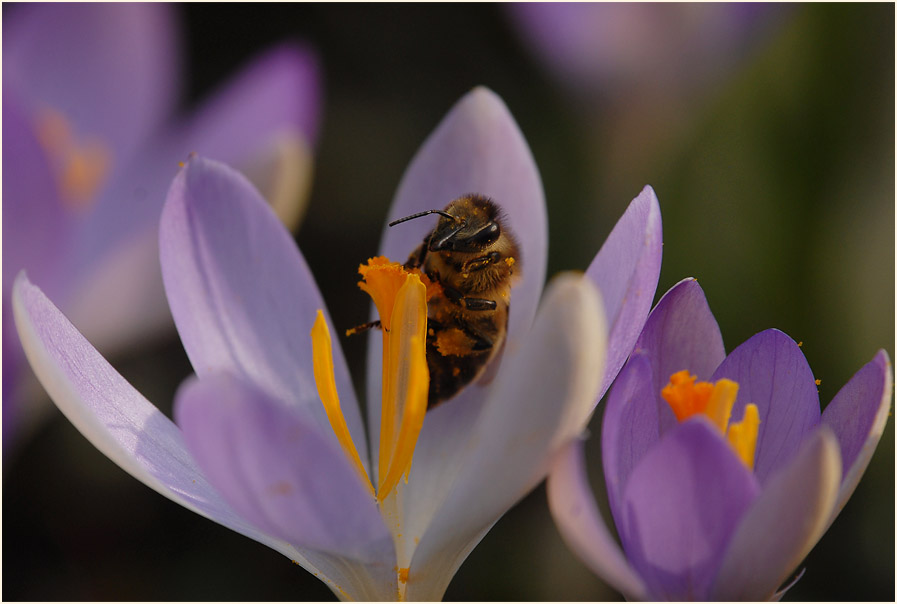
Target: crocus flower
90 143
615 49
721 471
254 448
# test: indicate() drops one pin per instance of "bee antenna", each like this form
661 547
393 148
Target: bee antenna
420 214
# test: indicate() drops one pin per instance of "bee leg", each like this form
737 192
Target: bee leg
479 304
481 262
479 343
455 297
363 327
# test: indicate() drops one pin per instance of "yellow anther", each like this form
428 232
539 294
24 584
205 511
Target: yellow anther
401 300
719 405
322 355
685 396
688 397
405 402
743 435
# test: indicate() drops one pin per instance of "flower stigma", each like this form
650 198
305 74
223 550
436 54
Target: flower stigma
688 397
401 300
80 167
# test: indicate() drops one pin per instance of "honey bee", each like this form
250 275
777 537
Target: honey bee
473 260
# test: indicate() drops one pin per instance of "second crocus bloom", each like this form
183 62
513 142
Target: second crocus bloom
721 471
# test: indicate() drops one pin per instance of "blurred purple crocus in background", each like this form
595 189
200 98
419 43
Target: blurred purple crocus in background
91 140
698 521
253 448
618 49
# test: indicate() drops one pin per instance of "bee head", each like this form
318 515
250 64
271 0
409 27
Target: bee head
468 224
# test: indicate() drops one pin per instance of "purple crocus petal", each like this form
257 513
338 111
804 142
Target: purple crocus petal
857 415
783 524
477 148
110 413
541 400
129 430
626 270
773 373
681 505
606 48
277 471
111 69
630 427
278 92
580 523
681 333
242 296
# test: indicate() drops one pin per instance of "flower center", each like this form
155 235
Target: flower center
401 300
688 397
81 167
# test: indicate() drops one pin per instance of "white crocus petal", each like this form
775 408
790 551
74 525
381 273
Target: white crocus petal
580 523
134 434
542 398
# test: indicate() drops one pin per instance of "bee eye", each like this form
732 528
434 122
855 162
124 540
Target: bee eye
486 235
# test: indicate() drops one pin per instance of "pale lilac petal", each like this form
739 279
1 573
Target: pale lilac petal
783 524
111 69
277 471
541 401
630 427
241 294
110 412
129 430
773 373
626 270
580 523
681 333
477 148
857 416
681 506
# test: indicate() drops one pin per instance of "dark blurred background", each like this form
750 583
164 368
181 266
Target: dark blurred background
776 184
